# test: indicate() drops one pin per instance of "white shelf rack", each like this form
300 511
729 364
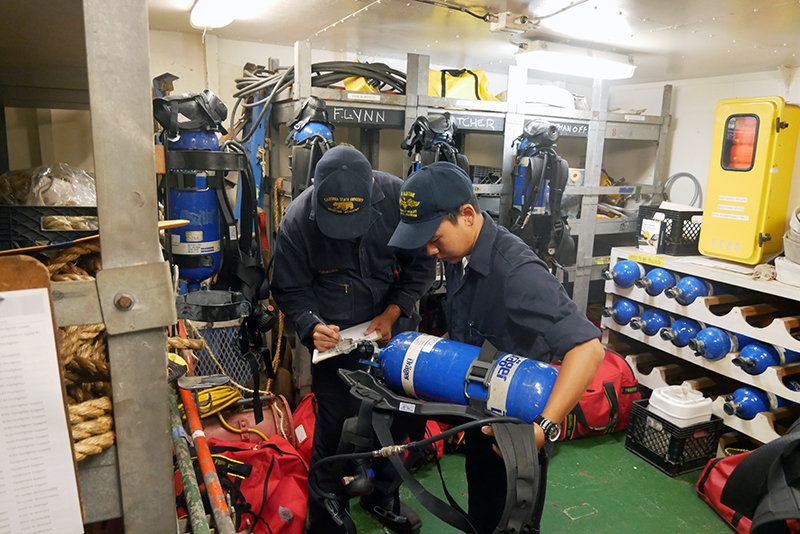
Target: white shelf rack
664 372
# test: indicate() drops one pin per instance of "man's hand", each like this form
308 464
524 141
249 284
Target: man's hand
383 323
325 337
536 430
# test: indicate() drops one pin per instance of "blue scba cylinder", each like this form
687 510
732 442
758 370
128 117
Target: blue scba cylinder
196 247
681 332
747 402
689 288
651 321
715 343
656 281
625 273
755 358
623 311
431 368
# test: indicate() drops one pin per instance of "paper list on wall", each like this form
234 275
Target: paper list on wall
39 492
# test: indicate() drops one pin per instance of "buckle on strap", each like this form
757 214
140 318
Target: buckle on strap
479 372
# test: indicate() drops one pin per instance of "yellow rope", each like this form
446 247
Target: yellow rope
229 427
277 216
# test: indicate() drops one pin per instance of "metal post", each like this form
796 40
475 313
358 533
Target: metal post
369 145
662 159
417 68
117 50
594 161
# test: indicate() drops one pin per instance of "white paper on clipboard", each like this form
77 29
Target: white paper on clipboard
349 336
39 492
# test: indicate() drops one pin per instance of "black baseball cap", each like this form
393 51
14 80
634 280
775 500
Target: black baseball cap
342 192
425 198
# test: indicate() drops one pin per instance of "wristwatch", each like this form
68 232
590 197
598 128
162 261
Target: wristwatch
552 431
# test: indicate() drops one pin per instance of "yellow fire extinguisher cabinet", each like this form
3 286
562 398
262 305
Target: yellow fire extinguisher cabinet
749 178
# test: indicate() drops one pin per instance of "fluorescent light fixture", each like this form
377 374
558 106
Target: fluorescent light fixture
212 14
574 60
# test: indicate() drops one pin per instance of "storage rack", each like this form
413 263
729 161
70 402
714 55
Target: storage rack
778 332
94 55
506 119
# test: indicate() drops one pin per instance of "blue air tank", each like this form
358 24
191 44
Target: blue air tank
689 288
746 402
715 343
623 311
196 247
625 273
756 357
431 368
681 331
656 281
651 321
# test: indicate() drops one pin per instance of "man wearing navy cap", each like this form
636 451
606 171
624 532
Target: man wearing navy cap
333 269
497 290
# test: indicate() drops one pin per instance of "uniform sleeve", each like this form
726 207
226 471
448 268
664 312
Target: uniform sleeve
291 281
536 301
417 270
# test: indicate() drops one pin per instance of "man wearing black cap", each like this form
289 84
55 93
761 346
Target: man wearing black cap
333 269
497 290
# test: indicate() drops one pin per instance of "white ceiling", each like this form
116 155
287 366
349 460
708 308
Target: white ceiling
669 39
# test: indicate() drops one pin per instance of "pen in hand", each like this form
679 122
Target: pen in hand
318 319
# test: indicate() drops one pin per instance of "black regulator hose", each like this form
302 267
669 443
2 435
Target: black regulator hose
393 450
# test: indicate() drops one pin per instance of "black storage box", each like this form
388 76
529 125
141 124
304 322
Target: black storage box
680 234
672 449
24 226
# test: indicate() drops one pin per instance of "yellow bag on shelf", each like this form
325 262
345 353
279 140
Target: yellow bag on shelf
464 84
359 84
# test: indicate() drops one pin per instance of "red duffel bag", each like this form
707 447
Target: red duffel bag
305 419
605 406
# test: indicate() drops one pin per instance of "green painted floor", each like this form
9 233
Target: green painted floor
595 486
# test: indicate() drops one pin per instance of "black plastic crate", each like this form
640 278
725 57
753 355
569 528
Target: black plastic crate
680 235
672 449
25 226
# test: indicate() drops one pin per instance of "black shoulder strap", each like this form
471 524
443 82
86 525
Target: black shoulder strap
519 442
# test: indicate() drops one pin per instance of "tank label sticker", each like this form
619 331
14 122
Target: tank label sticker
423 343
208 247
773 400
718 215
781 355
194 236
502 375
407 407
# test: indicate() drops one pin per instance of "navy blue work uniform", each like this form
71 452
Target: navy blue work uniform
345 282
507 296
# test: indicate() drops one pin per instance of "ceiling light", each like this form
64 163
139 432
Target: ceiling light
574 60
211 14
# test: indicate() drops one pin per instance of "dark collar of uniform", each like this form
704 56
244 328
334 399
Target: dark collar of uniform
376 196
481 257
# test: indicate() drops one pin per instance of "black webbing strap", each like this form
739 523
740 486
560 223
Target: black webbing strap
480 371
519 442
433 504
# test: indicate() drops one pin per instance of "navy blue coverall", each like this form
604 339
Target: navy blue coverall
345 282
507 296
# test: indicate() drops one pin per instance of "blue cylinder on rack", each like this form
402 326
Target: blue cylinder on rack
432 368
715 343
651 321
681 331
656 281
747 402
689 288
623 311
755 358
625 273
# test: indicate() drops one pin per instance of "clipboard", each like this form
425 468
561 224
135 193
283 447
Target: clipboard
33 383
